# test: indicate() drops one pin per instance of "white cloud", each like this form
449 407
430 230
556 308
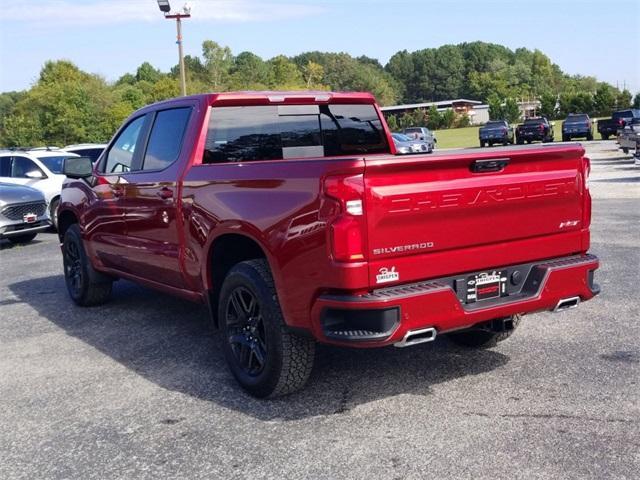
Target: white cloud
102 12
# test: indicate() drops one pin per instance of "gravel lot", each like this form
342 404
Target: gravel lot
138 389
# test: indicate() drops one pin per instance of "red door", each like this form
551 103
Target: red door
152 199
105 228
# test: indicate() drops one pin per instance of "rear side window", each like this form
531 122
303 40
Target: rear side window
166 137
22 165
120 157
270 132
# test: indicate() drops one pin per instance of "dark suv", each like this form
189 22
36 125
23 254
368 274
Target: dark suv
577 125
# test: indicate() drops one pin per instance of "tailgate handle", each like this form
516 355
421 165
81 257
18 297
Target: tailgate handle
489 165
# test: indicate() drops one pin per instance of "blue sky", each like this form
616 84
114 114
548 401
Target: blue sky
111 37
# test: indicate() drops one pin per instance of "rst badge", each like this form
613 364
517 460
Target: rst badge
385 275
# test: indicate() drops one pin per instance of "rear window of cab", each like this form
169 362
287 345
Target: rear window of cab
275 132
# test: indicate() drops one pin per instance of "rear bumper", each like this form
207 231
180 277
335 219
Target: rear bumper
383 317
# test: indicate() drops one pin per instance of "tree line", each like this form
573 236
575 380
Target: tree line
67 105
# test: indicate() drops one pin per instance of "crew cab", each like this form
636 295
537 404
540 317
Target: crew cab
577 125
290 217
496 131
535 129
611 126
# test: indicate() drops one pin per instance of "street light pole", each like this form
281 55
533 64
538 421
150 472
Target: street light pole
166 9
183 79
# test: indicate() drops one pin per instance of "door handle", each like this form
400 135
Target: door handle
165 193
489 165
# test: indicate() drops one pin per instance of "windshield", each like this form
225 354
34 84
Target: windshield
576 119
401 138
622 114
534 121
412 130
495 124
53 163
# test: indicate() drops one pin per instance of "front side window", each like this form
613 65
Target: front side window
22 166
166 138
120 155
238 134
5 166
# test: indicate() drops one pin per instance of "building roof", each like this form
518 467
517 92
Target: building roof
441 103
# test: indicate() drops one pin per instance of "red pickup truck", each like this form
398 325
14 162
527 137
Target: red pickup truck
290 217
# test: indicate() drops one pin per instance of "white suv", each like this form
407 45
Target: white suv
40 169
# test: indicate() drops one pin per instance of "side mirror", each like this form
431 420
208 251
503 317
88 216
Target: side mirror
77 167
35 174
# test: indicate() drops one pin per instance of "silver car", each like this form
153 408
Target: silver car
405 145
23 213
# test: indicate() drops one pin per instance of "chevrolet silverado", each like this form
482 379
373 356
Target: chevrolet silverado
288 215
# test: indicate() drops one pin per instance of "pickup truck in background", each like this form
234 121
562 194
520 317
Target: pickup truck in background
496 131
288 215
534 129
577 125
610 126
629 137
423 134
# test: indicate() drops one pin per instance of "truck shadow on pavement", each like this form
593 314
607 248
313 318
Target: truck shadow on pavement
167 341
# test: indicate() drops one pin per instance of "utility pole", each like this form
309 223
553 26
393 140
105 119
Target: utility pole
186 13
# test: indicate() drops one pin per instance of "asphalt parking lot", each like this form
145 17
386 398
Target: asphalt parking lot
138 389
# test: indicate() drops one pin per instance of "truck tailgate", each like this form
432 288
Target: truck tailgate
440 215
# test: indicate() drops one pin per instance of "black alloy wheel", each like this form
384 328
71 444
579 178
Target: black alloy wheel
73 271
246 332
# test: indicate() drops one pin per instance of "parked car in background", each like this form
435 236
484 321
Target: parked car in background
23 213
496 131
37 168
91 150
422 133
629 137
406 145
608 127
288 217
577 125
534 129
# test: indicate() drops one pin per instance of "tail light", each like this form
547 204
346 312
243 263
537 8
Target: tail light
586 195
344 211
620 121
541 127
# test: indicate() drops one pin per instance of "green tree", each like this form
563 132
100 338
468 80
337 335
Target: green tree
548 107
636 101
313 73
218 61
146 72
434 121
624 99
392 122
604 100
496 111
511 110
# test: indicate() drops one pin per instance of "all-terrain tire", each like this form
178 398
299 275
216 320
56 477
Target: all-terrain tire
476 338
86 286
287 358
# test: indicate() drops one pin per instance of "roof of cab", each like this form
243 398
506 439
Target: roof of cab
275 98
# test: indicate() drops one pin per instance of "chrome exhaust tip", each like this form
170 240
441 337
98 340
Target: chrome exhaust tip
567 304
414 337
